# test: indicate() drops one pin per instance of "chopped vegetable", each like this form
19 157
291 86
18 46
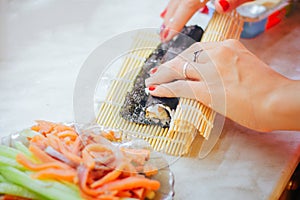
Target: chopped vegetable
15 190
61 164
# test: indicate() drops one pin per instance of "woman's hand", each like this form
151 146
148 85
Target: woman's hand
178 12
233 81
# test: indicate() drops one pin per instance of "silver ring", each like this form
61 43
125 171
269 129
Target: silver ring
196 55
171 19
184 70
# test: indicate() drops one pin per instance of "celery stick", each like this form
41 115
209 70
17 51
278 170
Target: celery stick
28 133
12 189
4 161
21 147
49 190
2 179
8 152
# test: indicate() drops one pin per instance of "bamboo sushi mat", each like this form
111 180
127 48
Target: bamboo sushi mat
191 117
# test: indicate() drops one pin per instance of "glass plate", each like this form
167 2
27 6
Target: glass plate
164 175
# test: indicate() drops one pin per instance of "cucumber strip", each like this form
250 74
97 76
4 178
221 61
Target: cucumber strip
49 190
8 152
12 189
21 147
2 179
4 161
28 133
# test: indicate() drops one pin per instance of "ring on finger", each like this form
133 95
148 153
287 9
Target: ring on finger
196 55
184 70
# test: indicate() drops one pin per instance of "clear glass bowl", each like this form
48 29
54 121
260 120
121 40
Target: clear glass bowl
164 175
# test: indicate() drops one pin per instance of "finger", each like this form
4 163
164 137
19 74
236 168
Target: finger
174 23
176 69
184 88
170 10
198 52
223 6
166 72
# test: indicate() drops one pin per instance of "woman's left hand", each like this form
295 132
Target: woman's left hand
231 80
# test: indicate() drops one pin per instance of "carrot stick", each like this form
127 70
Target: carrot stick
53 142
61 128
76 146
59 174
88 160
68 133
39 140
125 193
40 154
45 126
74 158
111 176
83 174
23 160
131 182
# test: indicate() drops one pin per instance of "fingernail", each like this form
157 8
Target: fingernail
166 33
153 70
224 4
152 87
163 13
204 10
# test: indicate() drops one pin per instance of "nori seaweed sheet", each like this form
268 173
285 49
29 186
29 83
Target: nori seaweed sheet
136 100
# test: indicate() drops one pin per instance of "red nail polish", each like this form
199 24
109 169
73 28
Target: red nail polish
153 70
152 87
225 5
163 13
204 10
166 33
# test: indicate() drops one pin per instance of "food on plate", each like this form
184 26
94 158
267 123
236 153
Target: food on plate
139 106
61 162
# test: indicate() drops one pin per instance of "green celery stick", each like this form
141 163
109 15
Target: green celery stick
4 161
12 189
2 179
8 152
21 147
49 190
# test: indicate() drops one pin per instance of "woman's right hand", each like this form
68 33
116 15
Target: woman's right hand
178 13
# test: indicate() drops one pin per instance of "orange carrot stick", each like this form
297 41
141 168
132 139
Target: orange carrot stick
68 133
74 158
40 154
52 142
83 174
45 126
39 140
59 174
76 146
111 176
23 160
88 160
131 182
61 128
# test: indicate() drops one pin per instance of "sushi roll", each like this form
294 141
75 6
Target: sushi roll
142 108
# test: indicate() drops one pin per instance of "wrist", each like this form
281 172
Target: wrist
283 107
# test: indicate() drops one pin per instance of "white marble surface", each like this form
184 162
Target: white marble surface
43 44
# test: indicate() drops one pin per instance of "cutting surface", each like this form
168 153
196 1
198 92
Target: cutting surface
40 60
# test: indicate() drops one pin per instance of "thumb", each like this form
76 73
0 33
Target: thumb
223 6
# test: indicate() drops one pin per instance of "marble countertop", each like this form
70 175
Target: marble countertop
43 44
